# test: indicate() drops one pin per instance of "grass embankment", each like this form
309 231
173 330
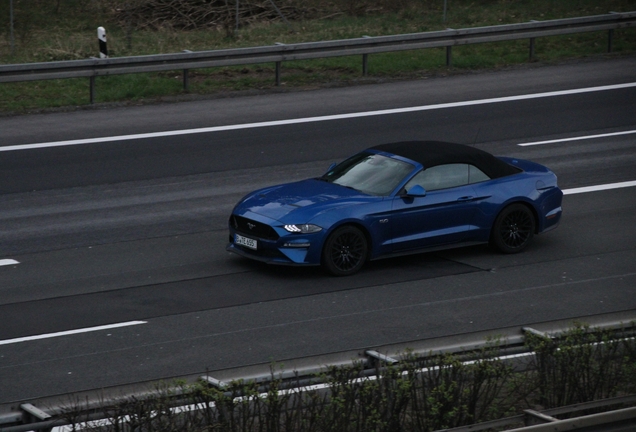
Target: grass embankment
66 30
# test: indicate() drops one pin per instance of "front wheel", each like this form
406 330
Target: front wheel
513 229
345 251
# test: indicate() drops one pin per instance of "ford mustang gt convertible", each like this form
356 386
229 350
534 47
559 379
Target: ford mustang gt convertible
396 199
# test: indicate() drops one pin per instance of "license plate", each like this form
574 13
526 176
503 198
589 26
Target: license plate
244 241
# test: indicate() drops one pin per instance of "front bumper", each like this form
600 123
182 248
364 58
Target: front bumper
279 260
286 249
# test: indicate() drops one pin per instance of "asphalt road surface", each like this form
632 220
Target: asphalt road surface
116 217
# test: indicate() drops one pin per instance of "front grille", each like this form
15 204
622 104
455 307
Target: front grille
253 228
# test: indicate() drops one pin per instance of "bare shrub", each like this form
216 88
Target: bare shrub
581 366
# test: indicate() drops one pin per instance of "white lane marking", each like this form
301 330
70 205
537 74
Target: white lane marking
70 332
6 262
599 187
577 138
316 119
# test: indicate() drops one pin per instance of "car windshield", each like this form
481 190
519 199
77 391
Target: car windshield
369 173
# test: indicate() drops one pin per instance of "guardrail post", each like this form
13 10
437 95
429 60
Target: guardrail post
278 64
449 53
610 35
35 415
92 89
533 417
186 76
365 61
531 56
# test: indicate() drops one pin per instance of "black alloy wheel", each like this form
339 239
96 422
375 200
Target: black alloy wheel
345 251
513 228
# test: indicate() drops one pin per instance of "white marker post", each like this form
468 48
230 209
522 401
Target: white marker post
101 36
103 53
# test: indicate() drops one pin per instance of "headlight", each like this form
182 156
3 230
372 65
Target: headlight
303 228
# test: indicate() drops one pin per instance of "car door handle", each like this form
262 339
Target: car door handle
465 198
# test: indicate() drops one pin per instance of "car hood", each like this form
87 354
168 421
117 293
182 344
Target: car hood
299 202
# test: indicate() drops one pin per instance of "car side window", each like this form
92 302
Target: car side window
447 176
475 175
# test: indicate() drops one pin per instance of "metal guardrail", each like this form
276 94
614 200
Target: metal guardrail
544 421
279 53
623 418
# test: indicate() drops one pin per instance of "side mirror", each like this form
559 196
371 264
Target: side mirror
331 167
416 191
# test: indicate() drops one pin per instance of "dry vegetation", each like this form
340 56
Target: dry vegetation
417 394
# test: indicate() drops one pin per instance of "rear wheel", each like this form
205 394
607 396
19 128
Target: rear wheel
345 251
513 229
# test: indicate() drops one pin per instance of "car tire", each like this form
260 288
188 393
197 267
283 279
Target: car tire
513 229
345 251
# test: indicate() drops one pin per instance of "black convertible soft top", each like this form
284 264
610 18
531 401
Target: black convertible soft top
432 153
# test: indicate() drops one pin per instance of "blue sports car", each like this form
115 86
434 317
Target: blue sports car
396 199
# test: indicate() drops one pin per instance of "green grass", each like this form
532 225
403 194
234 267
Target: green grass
66 30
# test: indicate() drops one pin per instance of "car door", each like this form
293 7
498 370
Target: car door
441 216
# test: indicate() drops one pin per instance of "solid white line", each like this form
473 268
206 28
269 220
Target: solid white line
599 187
6 262
71 332
316 119
577 138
